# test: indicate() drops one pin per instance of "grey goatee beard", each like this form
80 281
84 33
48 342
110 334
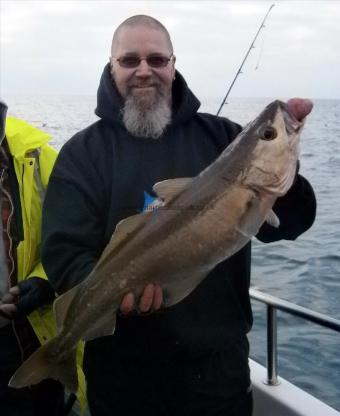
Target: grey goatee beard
146 119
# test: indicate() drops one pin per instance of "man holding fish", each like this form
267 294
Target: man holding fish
146 236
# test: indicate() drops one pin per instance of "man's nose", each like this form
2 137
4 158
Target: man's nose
143 69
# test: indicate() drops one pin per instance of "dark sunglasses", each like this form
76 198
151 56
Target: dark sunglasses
154 61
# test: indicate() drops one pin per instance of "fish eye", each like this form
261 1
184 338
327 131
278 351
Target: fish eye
268 133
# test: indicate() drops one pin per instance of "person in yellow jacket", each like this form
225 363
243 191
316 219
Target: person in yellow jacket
26 319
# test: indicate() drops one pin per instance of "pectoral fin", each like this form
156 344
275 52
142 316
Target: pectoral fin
273 220
252 219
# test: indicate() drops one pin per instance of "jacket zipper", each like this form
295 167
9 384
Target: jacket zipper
12 267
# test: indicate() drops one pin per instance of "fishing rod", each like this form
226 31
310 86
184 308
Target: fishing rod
239 71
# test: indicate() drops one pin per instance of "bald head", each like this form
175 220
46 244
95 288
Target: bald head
140 20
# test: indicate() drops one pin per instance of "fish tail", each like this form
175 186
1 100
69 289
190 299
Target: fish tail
40 366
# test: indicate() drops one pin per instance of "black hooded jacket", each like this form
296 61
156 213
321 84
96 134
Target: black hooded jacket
101 176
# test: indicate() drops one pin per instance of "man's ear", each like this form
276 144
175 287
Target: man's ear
111 66
173 66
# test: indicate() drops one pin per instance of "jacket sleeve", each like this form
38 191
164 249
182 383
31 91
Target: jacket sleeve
72 229
296 211
38 271
47 157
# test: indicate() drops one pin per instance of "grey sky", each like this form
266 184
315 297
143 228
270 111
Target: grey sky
61 47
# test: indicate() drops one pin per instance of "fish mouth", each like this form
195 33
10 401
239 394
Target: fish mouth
292 124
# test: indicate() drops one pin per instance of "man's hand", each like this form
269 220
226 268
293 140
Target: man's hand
300 107
151 300
23 299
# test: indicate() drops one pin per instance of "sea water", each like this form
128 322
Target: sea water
305 271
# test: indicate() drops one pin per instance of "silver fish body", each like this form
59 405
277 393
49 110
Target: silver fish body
198 222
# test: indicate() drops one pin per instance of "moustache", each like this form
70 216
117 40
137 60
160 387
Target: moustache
143 85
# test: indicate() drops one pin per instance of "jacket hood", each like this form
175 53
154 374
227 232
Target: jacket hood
22 137
109 102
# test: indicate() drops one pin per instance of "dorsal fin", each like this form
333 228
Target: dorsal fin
168 189
123 230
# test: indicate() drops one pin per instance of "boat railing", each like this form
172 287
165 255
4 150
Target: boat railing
273 304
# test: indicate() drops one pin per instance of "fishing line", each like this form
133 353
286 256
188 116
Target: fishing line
239 71
260 54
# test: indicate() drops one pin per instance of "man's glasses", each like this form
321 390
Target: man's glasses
154 61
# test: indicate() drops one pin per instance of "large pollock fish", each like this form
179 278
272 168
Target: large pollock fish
196 223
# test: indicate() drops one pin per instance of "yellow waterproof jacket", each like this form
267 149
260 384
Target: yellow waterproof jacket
33 160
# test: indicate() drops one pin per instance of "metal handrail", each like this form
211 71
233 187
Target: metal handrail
273 304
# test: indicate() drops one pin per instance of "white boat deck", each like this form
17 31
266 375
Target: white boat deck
284 399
